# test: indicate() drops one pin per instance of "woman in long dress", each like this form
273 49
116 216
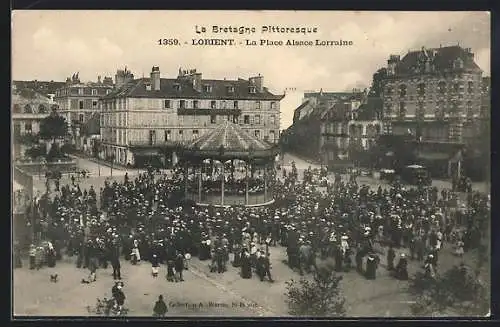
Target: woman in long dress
246 268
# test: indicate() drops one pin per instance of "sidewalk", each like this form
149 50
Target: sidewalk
81 155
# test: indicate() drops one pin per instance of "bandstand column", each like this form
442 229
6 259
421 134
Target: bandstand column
246 183
186 171
200 183
232 169
265 182
222 185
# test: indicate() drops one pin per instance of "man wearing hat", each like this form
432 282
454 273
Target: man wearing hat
429 266
119 296
155 266
263 266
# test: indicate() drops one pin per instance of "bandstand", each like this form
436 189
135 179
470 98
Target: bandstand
229 167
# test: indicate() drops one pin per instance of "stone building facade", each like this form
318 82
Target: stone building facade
78 102
145 119
327 125
434 95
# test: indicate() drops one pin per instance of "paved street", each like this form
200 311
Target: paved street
303 164
103 168
35 295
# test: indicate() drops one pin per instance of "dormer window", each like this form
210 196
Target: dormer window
459 63
421 89
470 86
402 91
207 88
442 87
177 87
230 89
252 89
148 87
108 91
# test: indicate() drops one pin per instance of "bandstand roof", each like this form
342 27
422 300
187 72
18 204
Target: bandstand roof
229 140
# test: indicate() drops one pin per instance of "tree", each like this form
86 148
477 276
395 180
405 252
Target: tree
54 152
35 152
320 296
53 127
377 82
459 291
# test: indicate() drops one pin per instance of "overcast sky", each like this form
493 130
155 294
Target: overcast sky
52 45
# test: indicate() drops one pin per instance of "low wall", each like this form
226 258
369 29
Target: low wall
96 181
232 199
36 168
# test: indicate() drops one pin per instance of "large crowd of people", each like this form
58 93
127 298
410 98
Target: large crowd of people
144 220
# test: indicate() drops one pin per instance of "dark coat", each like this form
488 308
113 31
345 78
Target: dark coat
179 263
119 297
155 262
160 308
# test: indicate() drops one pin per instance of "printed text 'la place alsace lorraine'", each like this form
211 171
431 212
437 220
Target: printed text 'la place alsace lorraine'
251 36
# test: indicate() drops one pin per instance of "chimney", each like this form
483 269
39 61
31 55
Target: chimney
155 78
123 77
196 80
392 63
99 79
258 82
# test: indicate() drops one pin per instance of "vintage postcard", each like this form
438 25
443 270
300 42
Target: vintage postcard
250 163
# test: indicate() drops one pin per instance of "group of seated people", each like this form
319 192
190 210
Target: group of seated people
236 186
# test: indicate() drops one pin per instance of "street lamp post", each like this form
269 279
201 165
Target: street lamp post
112 158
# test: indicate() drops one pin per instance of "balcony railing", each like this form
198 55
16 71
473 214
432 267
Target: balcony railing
147 143
193 112
22 115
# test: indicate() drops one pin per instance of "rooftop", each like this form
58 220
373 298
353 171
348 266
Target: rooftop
183 88
43 87
228 138
442 59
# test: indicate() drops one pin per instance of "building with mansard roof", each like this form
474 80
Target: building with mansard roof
434 95
45 88
143 120
78 102
327 124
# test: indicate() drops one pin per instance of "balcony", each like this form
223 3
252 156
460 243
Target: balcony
29 116
208 112
148 144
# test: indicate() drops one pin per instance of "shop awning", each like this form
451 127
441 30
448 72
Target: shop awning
434 156
146 152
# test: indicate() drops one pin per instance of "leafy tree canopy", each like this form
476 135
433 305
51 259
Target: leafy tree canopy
459 291
377 82
53 127
320 296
